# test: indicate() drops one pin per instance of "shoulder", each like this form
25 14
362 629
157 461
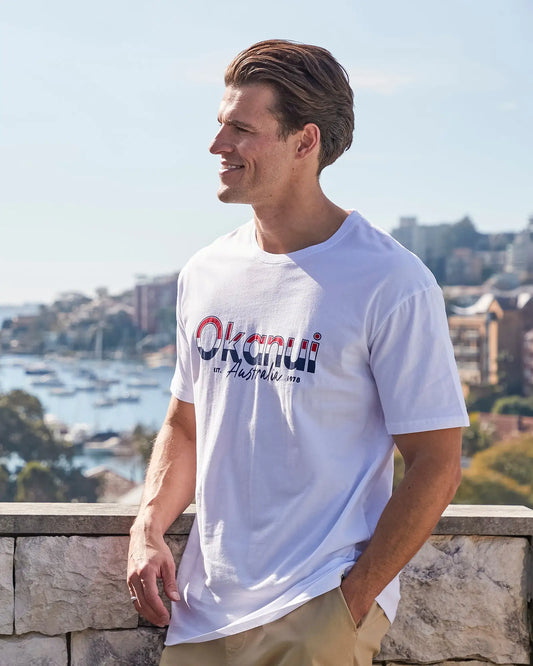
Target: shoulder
387 263
217 253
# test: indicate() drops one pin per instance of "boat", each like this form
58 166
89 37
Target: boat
128 396
88 387
48 381
63 391
104 402
138 382
38 369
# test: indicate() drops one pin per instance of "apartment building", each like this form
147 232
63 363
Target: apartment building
152 296
488 339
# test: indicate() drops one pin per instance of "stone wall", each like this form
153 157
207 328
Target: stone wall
64 601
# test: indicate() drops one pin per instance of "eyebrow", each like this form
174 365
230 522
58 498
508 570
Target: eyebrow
237 123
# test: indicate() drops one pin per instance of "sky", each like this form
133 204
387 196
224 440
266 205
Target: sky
107 109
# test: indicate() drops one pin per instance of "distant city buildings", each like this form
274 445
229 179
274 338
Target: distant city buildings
492 334
459 254
154 296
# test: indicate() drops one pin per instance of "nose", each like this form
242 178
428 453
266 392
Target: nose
220 143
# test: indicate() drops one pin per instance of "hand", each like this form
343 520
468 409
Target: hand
357 606
149 559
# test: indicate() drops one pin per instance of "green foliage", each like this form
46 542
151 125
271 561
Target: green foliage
36 483
482 399
514 404
489 489
513 459
143 440
47 473
5 484
477 437
23 431
501 474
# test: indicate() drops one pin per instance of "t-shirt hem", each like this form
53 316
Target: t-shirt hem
421 425
181 393
388 599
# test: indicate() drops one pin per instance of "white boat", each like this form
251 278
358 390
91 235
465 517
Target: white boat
48 381
104 402
138 382
63 391
129 396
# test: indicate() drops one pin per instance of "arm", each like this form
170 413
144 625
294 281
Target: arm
168 491
432 475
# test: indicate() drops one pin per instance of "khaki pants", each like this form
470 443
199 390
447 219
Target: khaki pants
319 633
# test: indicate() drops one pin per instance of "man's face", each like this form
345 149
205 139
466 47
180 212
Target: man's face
256 165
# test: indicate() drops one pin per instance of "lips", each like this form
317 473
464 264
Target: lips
226 168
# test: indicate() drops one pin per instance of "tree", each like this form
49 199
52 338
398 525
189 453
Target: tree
477 437
512 458
513 404
143 440
489 489
47 472
36 483
482 398
5 484
502 474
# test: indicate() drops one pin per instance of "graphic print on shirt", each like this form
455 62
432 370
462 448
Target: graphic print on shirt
255 355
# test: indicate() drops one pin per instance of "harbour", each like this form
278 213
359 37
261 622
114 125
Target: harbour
84 397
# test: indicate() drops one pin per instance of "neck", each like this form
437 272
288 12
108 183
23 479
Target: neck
300 222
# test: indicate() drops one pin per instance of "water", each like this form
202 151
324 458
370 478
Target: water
80 408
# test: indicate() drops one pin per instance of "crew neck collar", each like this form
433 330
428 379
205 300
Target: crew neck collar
271 258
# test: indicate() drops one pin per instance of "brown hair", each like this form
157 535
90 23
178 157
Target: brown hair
310 86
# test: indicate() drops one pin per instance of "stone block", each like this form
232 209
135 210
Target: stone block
6 585
141 646
463 598
73 583
452 663
34 649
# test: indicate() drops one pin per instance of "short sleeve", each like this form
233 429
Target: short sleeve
411 358
181 385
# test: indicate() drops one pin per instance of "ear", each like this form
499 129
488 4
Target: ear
309 142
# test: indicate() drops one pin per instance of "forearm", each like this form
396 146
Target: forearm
405 524
171 475
169 489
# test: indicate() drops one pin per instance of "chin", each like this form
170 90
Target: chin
226 195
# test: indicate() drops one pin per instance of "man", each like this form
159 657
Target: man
309 342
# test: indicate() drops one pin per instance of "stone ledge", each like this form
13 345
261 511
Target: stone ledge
486 520
25 518
67 519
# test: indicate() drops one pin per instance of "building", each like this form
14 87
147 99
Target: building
424 240
152 298
487 338
463 266
527 362
519 254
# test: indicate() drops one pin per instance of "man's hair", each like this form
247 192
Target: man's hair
310 87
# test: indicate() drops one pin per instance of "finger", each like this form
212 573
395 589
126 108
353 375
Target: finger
142 604
150 601
135 600
168 576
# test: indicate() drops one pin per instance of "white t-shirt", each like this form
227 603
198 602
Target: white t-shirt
300 367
